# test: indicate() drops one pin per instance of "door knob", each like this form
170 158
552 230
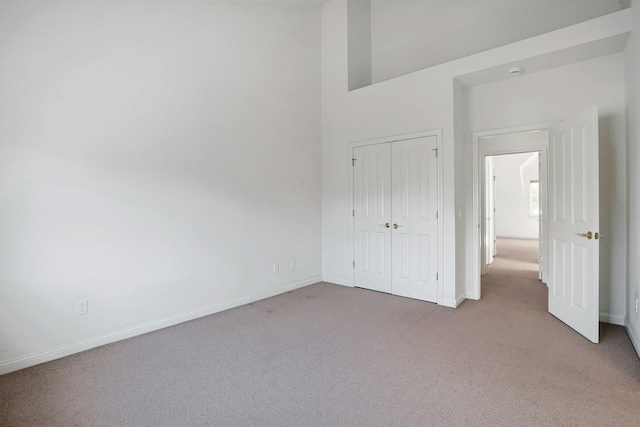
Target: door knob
396 226
588 235
386 225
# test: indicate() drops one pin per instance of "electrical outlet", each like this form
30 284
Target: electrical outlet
292 264
276 268
82 307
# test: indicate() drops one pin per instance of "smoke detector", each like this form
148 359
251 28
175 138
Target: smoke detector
515 71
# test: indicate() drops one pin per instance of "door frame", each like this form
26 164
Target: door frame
395 138
488 256
480 152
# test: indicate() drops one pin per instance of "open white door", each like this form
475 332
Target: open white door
573 200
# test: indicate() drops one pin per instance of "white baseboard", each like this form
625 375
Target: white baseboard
56 353
448 302
472 295
633 335
337 281
612 318
453 303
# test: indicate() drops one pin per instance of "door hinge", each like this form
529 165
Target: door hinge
353 162
354 212
436 150
437 276
437 214
354 264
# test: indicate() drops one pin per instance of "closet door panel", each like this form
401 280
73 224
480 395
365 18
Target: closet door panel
372 213
414 218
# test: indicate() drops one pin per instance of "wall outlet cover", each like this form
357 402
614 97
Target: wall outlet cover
82 307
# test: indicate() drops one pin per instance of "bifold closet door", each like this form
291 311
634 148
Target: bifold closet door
415 213
372 217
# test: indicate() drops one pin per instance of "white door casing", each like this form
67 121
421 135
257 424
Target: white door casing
372 217
573 214
490 205
493 214
415 214
543 214
541 237
486 144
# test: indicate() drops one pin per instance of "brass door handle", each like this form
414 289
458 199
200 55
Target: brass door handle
588 235
396 226
386 225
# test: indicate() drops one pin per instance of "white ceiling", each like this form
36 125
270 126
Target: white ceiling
409 35
310 2
559 58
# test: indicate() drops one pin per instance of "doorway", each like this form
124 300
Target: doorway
529 148
512 205
569 236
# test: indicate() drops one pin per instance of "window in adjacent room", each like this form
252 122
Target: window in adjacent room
534 198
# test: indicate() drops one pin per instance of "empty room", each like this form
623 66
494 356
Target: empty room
283 212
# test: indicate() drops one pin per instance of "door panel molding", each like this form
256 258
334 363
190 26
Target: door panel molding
438 246
574 288
414 184
371 198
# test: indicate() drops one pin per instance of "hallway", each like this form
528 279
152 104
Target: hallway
515 258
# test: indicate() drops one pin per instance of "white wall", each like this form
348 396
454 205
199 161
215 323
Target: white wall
156 159
558 93
410 35
417 103
359 12
513 174
632 72
424 100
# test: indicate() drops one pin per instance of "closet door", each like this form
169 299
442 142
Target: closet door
414 219
372 217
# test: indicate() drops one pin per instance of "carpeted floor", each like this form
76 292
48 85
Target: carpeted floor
515 258
333 356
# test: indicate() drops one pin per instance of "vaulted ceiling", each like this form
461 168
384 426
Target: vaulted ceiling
197 1
408 35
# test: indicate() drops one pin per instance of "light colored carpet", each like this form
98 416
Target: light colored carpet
330 355
515 258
